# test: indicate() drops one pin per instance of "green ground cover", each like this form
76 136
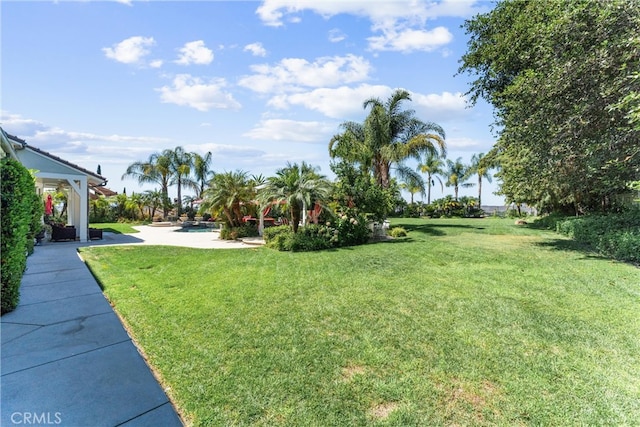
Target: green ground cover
464 322
116 227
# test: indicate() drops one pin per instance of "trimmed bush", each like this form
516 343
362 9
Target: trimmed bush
397 232
616 235
21 213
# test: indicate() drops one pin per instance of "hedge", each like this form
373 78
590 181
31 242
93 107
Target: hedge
21 214
616 235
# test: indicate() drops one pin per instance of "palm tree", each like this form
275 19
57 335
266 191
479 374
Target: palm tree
456 174
156 169
479 166
433 165
414 184
299 186
180 166
388 136
202 172
228 192
153 200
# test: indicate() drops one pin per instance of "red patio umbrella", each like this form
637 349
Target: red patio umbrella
48 206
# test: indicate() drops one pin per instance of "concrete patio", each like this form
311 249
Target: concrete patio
66 358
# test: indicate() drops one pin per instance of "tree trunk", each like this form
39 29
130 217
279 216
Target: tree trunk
480 191
429 189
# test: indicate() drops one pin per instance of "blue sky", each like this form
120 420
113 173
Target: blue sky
256 83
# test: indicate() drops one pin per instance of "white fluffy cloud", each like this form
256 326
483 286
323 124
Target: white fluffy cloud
131 50
409 40
343 103
291 74
256 49
197 93
291 130
195 52
398 25
440 107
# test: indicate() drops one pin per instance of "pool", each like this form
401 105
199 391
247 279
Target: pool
198 228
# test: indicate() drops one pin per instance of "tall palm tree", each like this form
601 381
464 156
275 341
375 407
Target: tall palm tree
433 166
180 167
202 172
228 192
388 136
156 170
299 186
456 174
479 166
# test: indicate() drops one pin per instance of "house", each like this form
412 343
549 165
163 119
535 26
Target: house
52 172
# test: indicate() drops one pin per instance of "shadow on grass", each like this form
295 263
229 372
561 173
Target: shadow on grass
566 245
435 229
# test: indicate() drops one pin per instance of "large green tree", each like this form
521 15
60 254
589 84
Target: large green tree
388 136
560 75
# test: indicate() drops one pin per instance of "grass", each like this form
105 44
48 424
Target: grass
116 227
464 322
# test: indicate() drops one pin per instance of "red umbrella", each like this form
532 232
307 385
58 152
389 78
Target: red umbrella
48 206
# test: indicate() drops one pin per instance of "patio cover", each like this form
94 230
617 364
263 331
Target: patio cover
51 172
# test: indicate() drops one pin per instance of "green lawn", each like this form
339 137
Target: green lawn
116 227
465 322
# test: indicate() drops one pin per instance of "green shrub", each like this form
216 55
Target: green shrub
616 235
397 232
352 229
21 212
233 233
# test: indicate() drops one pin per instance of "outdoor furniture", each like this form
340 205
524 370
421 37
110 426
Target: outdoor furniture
95 233
62 232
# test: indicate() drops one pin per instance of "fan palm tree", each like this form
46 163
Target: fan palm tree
299 186
432 165
228 192
479 166
456 174
156 170
388 136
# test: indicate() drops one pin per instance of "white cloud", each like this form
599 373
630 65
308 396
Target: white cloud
131 50
342 103
291 130
18 126
462 143
195 52
199 94
256 49
409 40
401 23
273 12
346 103
291 74
335 35
156 63
446 102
